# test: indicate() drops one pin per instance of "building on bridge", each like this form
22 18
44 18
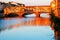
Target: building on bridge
54 5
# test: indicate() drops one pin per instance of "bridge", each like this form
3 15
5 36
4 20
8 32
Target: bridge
34 9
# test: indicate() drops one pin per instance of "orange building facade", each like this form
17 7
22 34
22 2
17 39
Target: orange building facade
55 5
34 9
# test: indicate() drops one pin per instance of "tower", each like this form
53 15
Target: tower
55 7
58 5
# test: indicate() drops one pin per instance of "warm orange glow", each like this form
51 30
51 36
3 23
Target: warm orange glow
36 22
53 5
20 10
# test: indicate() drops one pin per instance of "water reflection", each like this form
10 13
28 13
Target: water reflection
7 22
28 33
26 29
13 22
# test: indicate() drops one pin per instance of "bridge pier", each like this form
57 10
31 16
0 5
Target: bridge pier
37 14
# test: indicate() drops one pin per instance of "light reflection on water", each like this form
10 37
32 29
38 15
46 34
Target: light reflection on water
7 22
27 29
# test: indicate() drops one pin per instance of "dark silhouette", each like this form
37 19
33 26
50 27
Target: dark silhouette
1 10
12 15
56 21
52 18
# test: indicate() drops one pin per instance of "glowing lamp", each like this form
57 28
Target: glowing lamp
53 5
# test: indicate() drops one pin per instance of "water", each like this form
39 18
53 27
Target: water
25 29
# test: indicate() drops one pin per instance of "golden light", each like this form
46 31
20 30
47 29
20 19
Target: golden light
53 5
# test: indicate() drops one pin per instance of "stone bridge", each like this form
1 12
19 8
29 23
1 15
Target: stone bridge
21 10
